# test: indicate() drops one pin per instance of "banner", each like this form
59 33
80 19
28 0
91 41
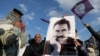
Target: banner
59 31
82 8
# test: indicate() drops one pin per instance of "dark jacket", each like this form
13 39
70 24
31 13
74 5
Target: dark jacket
36 49
80 50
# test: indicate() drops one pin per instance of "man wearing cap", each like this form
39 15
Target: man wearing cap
9 39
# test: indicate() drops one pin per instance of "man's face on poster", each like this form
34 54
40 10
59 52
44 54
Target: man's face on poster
61 33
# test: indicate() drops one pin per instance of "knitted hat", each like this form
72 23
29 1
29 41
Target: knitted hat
14 15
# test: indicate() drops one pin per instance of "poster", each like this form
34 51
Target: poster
59 31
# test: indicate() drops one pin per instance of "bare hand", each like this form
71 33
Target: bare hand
22 27
86 24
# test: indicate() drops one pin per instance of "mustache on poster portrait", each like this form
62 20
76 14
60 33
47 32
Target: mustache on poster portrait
68 39
57 37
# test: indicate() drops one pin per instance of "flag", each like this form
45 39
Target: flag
82 8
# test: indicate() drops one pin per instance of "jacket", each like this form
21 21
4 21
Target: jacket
10 41
36 49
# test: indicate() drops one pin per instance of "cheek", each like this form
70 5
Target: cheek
18 24
55 33
66 34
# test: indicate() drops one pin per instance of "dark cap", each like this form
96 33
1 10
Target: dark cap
14 15
18 11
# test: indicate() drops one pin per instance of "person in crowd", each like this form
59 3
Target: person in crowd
80 46
36 48
10 37
28 47
95 34
91 49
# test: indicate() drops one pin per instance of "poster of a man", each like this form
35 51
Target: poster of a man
61 32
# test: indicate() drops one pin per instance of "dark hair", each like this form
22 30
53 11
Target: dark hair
63 21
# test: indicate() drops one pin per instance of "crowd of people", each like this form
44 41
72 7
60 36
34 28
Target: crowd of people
36 45
82 48
14 39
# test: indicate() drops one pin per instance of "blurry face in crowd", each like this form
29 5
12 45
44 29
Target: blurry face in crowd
17 24
61 33
37 38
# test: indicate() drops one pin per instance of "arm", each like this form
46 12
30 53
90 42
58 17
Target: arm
95 34
23 35
23 39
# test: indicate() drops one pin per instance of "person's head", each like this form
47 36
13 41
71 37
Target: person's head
61 29
17 12
15 17
37 38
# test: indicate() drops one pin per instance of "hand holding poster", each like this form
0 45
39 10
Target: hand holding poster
59 31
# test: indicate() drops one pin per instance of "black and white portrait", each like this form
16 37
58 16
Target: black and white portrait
59 30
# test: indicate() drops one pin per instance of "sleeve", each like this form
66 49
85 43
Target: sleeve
95 34
23 38
81 51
